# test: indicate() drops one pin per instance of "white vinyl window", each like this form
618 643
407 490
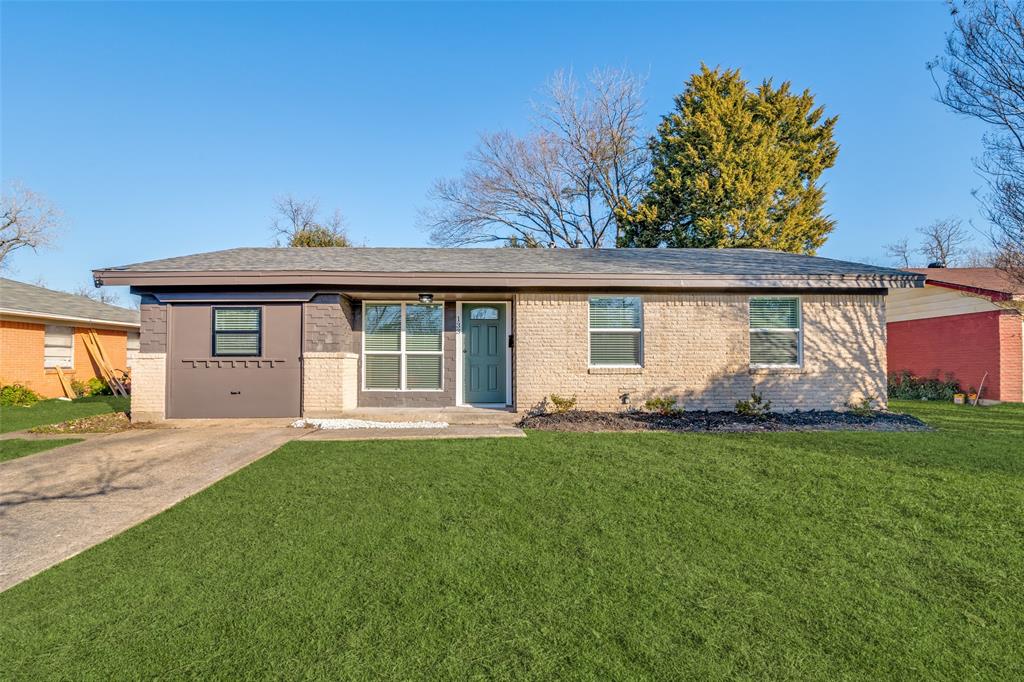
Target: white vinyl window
403 346
775 331
59 347
133 343
616 331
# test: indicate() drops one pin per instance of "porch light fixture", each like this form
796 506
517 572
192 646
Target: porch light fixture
426 298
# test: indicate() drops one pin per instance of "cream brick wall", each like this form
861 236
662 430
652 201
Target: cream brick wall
696 348
329 383
149 387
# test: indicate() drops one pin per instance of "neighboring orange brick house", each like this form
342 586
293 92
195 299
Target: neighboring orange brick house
966 322
41 329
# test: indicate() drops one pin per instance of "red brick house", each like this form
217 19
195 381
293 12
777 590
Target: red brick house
966 322
42 329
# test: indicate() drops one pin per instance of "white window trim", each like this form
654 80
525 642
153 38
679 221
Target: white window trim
402 352
799 329
70 367
618 330
459 362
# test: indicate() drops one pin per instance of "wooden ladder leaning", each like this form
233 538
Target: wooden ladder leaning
92 344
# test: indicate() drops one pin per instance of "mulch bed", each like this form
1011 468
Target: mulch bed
812 420
110 422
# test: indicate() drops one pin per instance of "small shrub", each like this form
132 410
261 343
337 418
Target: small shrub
667 406
905 386
756 407
563 405
80 388
863 408
97 386
18 395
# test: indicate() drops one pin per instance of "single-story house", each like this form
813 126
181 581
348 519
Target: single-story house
965 322
42 329
260 332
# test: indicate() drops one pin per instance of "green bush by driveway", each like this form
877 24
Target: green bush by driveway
16 418
656 555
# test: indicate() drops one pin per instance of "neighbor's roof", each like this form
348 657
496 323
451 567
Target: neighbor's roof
989 281
26 299
505 267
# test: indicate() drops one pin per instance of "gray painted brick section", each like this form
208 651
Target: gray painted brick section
442 398
323 328
153 335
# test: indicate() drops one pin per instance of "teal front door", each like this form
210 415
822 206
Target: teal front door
483 352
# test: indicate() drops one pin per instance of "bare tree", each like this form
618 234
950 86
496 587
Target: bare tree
559 185
984 69
974 257
943 241
100 295
900 251
29 221
297 223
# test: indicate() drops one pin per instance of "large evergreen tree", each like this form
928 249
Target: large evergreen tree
736 168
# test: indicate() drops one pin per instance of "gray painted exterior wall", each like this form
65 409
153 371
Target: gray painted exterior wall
327 324
443 398
201 385
153 333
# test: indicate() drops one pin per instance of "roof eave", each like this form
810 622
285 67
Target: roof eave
68 318
156 278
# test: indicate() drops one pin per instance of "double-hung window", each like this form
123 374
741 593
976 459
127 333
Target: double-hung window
775 331
616 331
236 332
59 346
403 346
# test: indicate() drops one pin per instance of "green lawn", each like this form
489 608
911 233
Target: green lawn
56 411
13 448
660 556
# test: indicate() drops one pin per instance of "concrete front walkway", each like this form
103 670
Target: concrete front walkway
58 503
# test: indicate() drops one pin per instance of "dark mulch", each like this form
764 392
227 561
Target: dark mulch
812 420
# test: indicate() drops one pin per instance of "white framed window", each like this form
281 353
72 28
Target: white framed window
776 336
59 347
403 346
616 331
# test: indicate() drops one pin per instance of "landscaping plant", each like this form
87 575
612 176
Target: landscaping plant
756 407
666 405
863 408
18 395
905 386
562 405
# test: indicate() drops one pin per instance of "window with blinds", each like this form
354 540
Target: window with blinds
403 346
59 346
616 335
236 332
775 332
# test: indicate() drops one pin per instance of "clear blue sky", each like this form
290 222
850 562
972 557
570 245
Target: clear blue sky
168 128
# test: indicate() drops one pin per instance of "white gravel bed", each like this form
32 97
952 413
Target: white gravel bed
364 424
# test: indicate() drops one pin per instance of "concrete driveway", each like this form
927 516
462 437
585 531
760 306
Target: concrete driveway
56 504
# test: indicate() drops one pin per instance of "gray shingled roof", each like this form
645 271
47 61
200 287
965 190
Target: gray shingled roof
725 262
27 298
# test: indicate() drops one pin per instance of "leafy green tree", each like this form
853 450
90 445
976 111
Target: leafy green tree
735 168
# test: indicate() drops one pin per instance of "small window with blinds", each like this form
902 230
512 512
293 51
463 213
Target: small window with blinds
616 336
775 336
236 332
59 347
403 346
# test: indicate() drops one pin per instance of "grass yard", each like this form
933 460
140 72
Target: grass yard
55 411
12 448
794 555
